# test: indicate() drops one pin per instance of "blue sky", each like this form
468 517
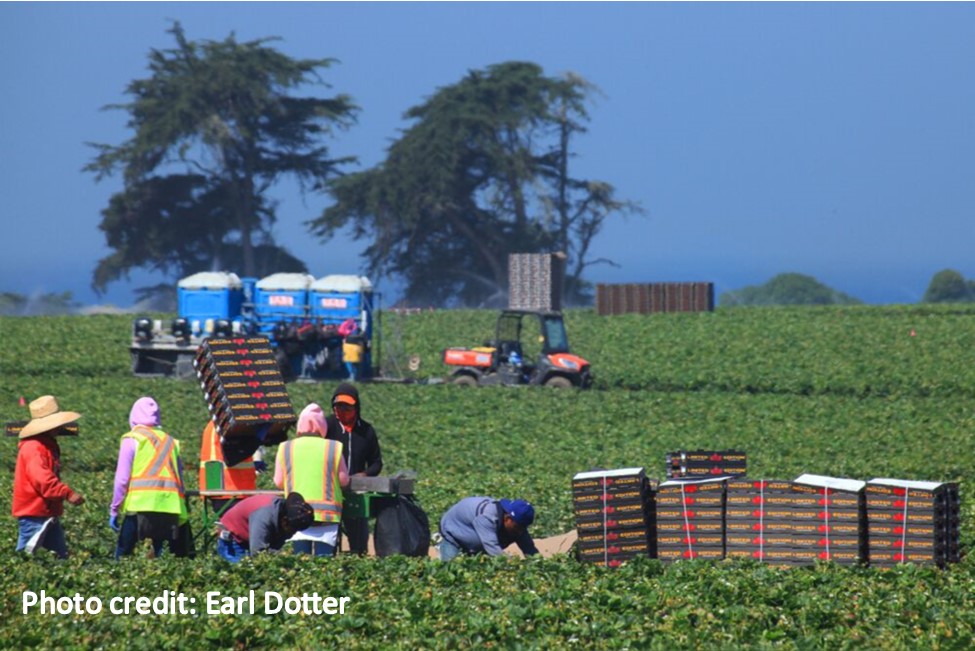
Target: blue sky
835 140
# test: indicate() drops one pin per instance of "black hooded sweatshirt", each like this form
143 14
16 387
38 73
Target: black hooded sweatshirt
362 453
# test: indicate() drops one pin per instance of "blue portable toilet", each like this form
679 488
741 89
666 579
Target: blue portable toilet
335 298
281 297
207 296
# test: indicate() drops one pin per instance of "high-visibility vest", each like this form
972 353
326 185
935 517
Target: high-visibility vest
241 477
155 485
311 468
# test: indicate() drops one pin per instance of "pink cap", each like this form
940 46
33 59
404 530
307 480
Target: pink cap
312 420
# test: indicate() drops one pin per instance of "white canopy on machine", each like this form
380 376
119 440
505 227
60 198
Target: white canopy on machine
286 281
210 280
342 283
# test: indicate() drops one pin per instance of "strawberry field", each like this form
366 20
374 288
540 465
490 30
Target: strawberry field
857 392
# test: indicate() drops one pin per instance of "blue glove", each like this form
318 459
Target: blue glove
113 523
260 466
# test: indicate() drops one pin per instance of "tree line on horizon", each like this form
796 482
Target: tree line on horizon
482 169
946 286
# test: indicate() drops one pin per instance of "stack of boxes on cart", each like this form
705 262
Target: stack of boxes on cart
245 393
708 509
614 515
912 522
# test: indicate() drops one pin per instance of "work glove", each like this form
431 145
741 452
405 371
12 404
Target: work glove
113 523
260 466
262 432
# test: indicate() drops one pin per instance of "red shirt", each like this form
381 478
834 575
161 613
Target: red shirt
237 519
38 489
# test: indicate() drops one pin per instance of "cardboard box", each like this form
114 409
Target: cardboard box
698 526
745 485
611 481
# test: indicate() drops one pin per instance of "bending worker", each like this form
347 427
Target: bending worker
262 522
484 525
149 492
314 467
360 448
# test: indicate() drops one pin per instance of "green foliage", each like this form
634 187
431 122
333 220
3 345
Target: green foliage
854 392
215 126
949 286
482 172
787 289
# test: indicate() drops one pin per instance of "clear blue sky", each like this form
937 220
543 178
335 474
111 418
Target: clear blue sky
835 140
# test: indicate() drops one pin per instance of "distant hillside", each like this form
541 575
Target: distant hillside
788 289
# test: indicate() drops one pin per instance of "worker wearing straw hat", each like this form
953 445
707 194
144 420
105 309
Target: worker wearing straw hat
39 493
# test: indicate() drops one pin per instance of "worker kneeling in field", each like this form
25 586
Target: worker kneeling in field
313 466
149 492
484 525
262 522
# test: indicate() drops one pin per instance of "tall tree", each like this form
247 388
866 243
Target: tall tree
949 286
214 127
483 171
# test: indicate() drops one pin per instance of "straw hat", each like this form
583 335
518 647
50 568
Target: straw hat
45 415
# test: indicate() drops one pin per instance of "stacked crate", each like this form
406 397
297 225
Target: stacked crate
690 519
758 521
912 522
829 520
702 464
614 515
243 388
535 281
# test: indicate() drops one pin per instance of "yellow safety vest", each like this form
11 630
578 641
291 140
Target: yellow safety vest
311 468
155 485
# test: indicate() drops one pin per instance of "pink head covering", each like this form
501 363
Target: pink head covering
145 411
312 420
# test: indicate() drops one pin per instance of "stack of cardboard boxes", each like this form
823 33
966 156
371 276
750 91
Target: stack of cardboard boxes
244 389
702 464
614 515
912 522
691 519
758 521
829 520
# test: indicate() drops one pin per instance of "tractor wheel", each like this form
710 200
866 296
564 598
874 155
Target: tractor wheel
465 381
558 382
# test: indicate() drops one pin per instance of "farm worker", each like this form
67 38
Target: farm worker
241 476
313 466
484 525
351 346
39 493
262 522
360 447
149 492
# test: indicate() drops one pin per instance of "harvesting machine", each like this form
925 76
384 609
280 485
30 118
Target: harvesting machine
297 313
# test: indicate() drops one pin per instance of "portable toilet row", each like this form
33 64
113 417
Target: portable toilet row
296 296
205 297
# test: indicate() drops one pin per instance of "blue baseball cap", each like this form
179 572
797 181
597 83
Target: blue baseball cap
520 511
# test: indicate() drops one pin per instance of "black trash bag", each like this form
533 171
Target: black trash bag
237 448
402 527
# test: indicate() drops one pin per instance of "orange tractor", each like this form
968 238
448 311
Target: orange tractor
543 360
